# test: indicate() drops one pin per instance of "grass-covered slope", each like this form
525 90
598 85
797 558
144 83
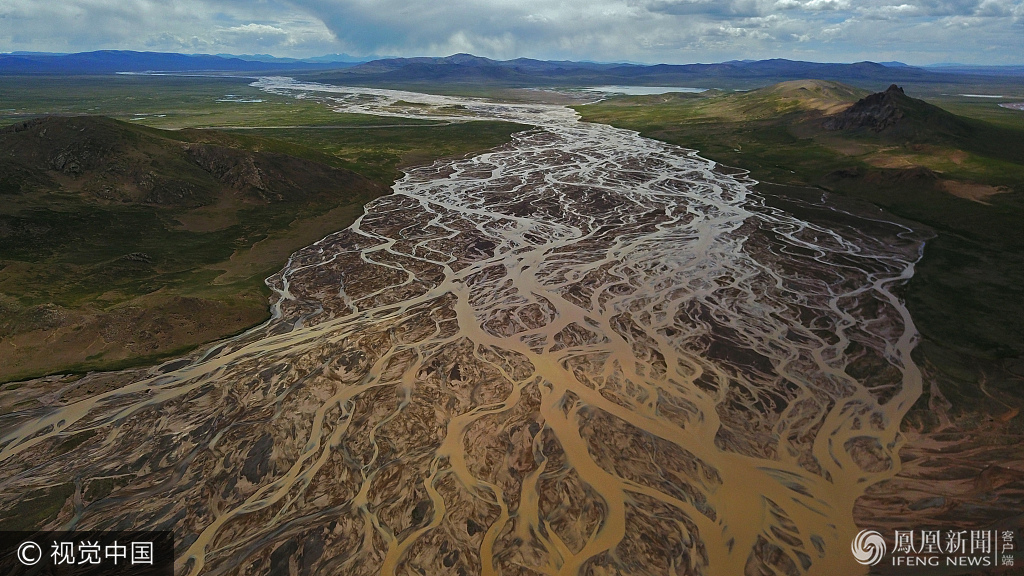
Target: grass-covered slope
961 177
120 243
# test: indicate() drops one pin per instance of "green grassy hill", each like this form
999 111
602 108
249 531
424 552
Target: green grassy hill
963 178
106 161
121 244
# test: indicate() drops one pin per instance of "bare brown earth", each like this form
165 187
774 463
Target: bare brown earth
145 327
975 192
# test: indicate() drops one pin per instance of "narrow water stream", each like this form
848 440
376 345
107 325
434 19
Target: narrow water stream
584 352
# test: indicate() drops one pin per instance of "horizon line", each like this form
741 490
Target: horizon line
365 59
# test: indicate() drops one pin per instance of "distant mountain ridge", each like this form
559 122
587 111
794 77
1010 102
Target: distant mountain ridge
1016 71
470 69
113 61
526 72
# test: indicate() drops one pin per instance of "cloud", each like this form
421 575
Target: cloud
891 12
184 25
827 5
608 30
812 5
256 30
669 30
712 9
266 36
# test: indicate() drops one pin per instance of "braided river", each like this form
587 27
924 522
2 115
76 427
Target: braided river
583 352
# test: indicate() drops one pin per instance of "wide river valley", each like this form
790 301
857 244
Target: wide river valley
584 352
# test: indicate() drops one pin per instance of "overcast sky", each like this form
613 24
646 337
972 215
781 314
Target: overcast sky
670 31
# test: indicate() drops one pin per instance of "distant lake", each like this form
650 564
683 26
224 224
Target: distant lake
643 90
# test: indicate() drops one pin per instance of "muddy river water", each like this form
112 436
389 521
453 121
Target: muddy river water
584 352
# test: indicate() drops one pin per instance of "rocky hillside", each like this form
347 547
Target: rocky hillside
895 115
104 160
877 112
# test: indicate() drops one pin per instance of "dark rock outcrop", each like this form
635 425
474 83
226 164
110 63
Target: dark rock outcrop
234 168
877 112
893 116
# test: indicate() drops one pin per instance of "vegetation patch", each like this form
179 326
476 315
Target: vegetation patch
36 508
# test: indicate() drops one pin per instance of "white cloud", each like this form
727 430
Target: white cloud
891 12
827 5
184 25
610 30
812 5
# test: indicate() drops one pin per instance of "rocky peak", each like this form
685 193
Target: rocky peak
876 111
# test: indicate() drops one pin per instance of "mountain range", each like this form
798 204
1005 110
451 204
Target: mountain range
466 68
113 61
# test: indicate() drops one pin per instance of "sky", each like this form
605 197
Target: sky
986 32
